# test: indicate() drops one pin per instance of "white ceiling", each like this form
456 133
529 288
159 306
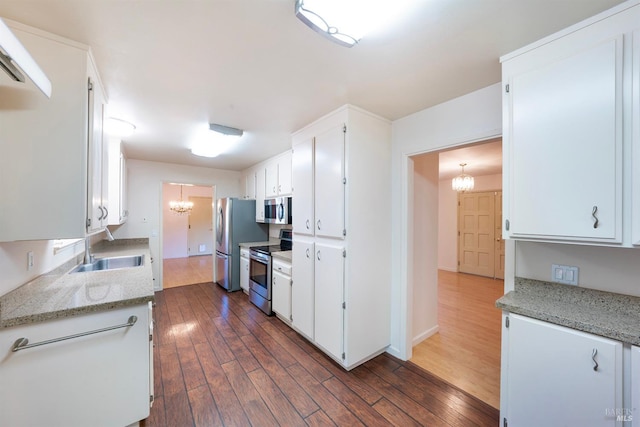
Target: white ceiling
170 66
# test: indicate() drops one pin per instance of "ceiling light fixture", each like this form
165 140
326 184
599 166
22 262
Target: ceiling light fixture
332 19
217 140
13 55
181 207
462 182
119 128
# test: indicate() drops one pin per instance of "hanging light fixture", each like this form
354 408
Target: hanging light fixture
462 182
181 207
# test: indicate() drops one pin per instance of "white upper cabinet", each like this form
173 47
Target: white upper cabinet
278 176
260 194
635 137
45 143
566 107
117 183
98 153
330 183
303 192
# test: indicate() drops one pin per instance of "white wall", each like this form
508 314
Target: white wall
448 218
470 118
13 261
175 228
145 181
425 248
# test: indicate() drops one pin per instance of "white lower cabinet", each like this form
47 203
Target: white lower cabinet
281 289
633 409
558 376
244 270
329 298
102 379
302 290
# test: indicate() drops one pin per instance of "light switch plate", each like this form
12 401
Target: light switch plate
565 274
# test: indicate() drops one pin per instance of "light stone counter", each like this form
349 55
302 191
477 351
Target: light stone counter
607 314
250 244
284 255
59 294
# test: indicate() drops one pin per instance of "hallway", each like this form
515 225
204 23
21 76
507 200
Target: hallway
187 271
466 350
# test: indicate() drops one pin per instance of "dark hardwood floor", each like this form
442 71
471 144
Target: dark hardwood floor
219 361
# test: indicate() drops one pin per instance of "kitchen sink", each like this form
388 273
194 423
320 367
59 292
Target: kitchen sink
111 263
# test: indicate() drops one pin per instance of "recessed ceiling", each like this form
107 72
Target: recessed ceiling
170 66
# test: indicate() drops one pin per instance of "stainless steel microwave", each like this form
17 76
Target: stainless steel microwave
278 210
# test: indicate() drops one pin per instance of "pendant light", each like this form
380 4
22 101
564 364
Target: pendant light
181 207
462 182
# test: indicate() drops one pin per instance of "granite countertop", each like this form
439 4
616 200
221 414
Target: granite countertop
284 255
607 314
59 294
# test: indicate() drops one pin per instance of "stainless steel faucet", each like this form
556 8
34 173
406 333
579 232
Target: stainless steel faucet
88 256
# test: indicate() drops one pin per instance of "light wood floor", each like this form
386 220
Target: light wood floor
219 361
466 350
187 271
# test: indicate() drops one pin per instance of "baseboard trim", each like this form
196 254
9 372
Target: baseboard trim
424 335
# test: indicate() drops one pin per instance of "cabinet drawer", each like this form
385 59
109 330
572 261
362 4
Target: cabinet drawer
244 252
282 266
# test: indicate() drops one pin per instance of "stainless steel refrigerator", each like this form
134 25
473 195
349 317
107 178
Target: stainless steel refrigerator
236 223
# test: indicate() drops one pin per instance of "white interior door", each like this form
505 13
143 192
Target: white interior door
200 235
476 230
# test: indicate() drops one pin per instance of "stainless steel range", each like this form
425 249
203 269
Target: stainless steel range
260 271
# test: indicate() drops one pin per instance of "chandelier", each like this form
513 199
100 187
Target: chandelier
181 207
462 182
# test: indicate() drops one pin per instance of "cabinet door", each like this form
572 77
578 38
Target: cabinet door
284 174
329 299
635 386
302 291
260 192
551 378
250 186
281 296
96 210
564 145
244 274
302 182
271 182
329 183
635 142
100 379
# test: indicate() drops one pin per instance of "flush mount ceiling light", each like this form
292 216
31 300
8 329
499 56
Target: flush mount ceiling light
332 19
215 141
14 58
119 128
462 182
181 207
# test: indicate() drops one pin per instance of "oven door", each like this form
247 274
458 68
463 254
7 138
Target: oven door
260 276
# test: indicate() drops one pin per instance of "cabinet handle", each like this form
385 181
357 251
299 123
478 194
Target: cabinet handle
101 213
593 357
593 214
274 190
106 213
308 254
308 224
318 255
319 224
23 343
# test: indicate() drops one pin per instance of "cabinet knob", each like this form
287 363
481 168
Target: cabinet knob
319 224
318 255
308 225
308 254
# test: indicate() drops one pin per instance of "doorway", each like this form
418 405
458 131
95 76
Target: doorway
187 238
462 345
